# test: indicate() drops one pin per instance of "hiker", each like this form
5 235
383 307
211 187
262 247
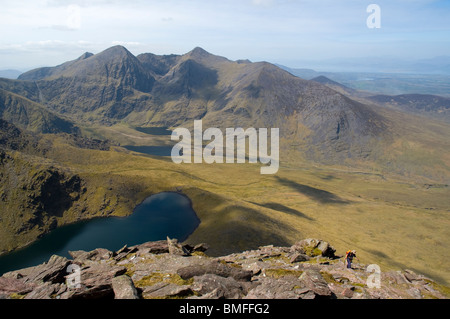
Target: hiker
349 255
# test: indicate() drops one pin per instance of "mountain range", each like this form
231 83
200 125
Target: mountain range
346 157
318 121
150 90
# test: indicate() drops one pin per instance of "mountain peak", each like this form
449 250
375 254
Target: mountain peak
198 51
330 83
117 50
324 80
204 56
84 56
200 54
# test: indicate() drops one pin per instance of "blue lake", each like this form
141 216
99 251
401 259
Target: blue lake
154 130
151 150
158 216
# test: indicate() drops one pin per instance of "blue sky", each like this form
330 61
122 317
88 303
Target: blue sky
291 32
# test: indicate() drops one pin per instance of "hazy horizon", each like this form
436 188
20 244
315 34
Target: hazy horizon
292 33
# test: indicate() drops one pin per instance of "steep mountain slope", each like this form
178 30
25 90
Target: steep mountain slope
32 192
106 84
45 72
424 104
38 193
32 116
159 65
335 85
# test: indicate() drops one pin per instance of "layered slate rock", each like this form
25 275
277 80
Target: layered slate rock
96 282
168 269
53 271
314 247
216 268
212 286
315 285
10 286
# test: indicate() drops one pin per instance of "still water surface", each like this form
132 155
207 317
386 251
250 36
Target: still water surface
158 216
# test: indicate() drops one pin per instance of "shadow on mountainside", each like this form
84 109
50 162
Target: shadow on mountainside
284 209
319 195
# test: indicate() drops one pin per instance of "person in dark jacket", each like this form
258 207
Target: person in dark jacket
349 258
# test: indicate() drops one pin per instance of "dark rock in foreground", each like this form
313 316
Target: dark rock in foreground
167 269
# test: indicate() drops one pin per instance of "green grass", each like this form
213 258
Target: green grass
278 272
156 277
392 220
387 219
329 278
445 290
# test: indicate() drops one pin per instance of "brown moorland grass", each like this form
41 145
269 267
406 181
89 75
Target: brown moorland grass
392 221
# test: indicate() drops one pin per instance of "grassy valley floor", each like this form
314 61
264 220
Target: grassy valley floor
392 221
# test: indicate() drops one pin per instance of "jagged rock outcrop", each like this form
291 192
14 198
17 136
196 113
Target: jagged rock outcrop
312 248
158 270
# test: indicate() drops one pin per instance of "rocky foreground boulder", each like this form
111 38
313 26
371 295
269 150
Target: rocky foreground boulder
167 269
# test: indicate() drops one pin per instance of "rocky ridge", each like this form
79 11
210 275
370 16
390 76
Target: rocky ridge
173 90
167 269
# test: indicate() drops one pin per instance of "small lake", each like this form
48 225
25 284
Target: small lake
158 216
154 130
150 150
